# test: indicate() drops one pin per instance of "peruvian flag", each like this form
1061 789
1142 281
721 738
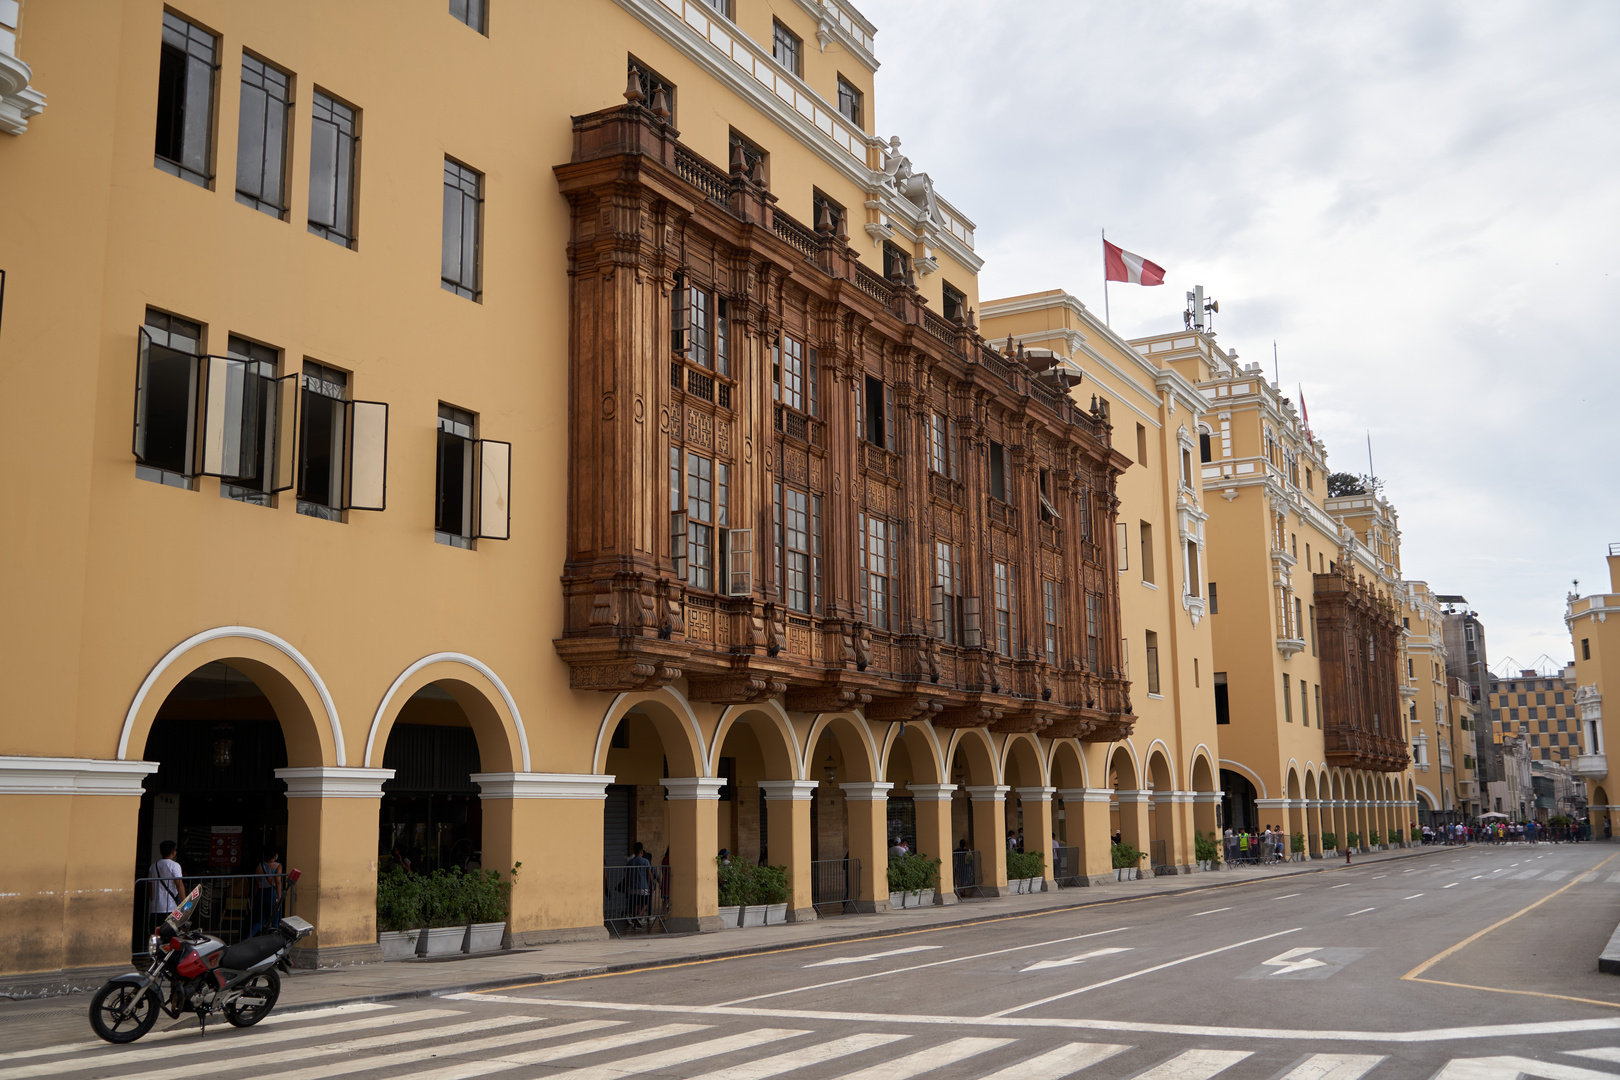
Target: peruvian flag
1122 265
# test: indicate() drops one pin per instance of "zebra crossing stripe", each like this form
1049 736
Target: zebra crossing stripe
1556 875
798 1059
1512 1068
89 1054
1195 1065
935 1057
1526 875
462 1070
1055 1064
376 1042
475 1046
679 1055
1334 1067
1600 1053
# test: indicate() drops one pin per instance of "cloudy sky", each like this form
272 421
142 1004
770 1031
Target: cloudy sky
1417 201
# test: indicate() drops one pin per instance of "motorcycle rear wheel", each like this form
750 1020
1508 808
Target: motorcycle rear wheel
121 1013
266 986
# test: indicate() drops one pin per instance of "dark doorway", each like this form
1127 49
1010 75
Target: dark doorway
618 823
1238 810
431 814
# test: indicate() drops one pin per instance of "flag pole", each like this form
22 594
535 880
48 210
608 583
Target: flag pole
1107 319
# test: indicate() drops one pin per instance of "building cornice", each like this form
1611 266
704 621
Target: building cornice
72 776
19 102
530 785
840 22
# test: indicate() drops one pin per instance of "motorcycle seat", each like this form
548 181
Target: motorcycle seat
244 954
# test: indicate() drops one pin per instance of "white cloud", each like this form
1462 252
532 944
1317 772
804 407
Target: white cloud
1416 201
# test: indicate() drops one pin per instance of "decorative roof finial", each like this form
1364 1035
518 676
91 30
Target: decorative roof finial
660 105
632 89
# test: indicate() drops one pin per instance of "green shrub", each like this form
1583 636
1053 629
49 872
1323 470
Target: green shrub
399 900
1125 855
1375 837
913 873
1417 834
1205 849
1354 840
446 900
1025 864
768 885
489 899
1297 844
1330 841
735 883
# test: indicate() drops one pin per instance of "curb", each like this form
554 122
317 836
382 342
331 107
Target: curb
536 978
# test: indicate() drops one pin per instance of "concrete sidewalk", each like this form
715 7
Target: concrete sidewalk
408 979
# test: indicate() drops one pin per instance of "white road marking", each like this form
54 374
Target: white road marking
775 1065
1195 1065
1333 1067
127 1056
1476 877
1289 961
461 1070
165 1036
1601 1053
1416 1036
1055 1064
1288 896
1556 875
661 1059
1453 885
1413 870
1363 911
279 1055
920 967
1135 974
1346 885
1375 877
1211 911
871 956
1042 965
1525 875
935 1057
1414 896
1512 1068
1614 877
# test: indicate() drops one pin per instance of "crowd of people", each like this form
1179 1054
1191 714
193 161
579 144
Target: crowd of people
1257 848
1500 831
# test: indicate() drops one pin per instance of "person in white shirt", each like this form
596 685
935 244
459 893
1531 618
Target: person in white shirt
167 888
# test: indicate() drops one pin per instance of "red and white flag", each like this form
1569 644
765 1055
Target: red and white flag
1304 412
1122 265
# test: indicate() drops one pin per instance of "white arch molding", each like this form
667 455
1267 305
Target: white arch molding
1169 760
728 720
264 637
891 739
821 721
454 658
1208 755
682 706
1239 767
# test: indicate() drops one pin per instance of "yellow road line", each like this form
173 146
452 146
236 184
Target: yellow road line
919 930
1415 973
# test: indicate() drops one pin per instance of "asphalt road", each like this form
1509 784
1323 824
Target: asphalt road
1470 965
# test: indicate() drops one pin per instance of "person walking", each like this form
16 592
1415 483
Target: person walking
266 890
640 884
167 887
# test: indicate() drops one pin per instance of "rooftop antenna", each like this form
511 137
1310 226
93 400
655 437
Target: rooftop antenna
1371 472
1197 315
1276 371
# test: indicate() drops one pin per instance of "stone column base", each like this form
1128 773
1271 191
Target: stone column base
871 907
945 899
687 924
802 914
553 936
332 956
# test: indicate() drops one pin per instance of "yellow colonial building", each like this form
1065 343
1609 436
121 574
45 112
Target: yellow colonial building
1161 780
685 507
1441 715
1597 671
1303 590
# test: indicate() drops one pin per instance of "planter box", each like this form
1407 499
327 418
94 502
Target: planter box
397 944
897 900
484 936
753 915
440 940
925 898
730 918
775 914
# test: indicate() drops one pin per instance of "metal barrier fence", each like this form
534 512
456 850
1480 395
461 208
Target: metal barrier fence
635 899
965 872
1066 868
835 884
232 907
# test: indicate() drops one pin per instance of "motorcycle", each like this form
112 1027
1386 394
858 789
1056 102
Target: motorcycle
196 972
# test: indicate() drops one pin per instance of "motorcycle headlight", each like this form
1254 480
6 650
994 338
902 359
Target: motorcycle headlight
155 945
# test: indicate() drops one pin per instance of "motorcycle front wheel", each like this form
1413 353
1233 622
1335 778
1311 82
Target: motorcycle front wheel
258 997
121 1013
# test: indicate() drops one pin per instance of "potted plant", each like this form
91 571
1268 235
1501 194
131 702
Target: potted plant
1375 838
732 883
751 895
489 904
1330 841
399 913
1353 841
912 880
1025 870
1296 845
1127 860
771 890
1206 850
444 913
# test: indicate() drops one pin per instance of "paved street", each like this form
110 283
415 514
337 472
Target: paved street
1294 978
